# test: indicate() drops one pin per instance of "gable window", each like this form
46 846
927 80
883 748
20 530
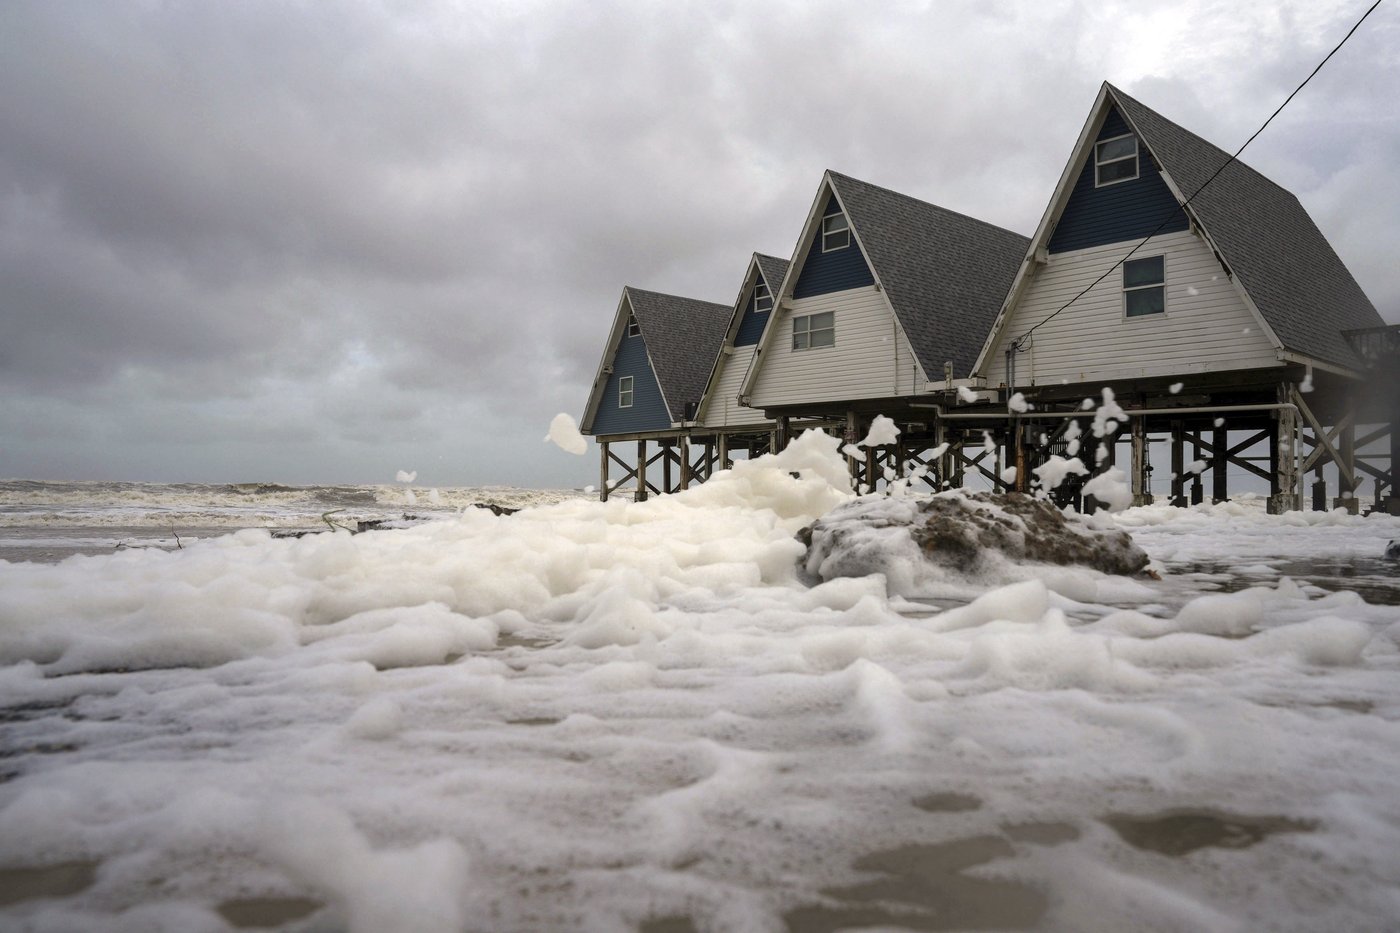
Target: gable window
762 298
624 392
1145 286
836 233
633 328
1115 160
814 330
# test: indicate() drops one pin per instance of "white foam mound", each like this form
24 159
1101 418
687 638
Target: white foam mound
618 715
416 595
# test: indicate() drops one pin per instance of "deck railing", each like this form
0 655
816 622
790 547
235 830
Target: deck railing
1376 345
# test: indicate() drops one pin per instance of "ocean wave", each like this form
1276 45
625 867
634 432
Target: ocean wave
49 504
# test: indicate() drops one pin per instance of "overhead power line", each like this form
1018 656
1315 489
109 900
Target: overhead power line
1016 345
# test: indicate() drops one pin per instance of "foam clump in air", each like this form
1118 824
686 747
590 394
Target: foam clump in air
1110 488
1055 470
405 476
564 434
883 433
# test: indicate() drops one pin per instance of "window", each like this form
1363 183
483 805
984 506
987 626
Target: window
1115 160
814 330
836 233
762 298
633 328
624 392
1145 286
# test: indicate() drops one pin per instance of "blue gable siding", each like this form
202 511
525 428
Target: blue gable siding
1128 210
648 411
835 271
751 327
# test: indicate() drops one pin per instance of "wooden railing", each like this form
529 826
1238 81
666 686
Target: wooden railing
1376 345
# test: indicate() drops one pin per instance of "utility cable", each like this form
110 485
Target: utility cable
1016 345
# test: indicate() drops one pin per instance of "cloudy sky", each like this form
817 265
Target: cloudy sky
325 241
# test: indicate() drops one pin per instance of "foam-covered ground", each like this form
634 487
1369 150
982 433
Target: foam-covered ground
615 716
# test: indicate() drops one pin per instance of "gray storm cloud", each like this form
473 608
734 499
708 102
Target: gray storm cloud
318 242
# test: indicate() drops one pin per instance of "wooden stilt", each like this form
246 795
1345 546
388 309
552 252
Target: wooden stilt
724 462
1178 498
1021 485
849 436
1141 464
1392 501
781 431
1219 464
1346 471
940 434
603 471
1198 493
685 460
666 461
999 468
1283 457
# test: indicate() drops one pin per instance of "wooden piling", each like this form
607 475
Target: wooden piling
1220 462
1178 439
603 472
1141 463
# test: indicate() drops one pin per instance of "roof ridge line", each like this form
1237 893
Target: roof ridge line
648 291
937 207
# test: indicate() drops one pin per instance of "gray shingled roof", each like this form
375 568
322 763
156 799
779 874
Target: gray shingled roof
1267 239
683 338
946 274
773 270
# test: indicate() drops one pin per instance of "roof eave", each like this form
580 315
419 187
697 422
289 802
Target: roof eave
595 395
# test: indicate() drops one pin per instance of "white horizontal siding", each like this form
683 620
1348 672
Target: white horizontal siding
871 358
723 409
1206 327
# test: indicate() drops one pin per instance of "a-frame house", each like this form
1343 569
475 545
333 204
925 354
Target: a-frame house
885 304
1193 286
650 380
721 411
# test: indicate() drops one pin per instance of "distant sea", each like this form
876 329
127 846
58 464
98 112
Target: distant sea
48 521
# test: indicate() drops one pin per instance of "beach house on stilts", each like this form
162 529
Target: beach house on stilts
1204 296
653 372
731 423
882 312
1169 294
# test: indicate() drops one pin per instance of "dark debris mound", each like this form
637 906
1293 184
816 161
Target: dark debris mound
957 531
